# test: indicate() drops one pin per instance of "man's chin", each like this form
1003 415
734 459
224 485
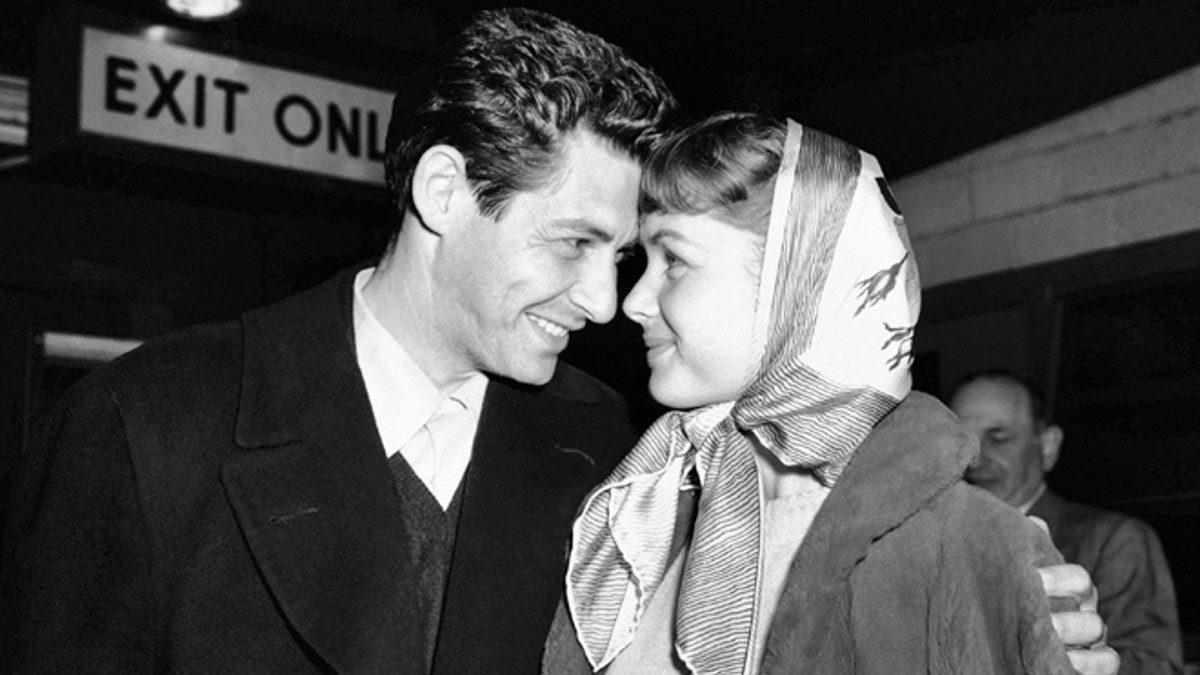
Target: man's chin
532 375
538 381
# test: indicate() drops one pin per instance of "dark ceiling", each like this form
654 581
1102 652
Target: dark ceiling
913 81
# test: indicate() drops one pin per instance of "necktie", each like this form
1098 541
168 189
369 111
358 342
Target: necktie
438 453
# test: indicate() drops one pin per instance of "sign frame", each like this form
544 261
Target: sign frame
56 129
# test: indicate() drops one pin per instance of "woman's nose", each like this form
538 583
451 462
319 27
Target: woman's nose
642 302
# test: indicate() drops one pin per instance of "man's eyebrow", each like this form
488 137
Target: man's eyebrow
585 227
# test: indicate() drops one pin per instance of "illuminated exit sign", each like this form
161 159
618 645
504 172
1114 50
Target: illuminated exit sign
165 94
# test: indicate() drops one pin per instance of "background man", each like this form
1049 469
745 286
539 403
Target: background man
1018 446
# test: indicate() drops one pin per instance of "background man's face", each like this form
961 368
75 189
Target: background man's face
1010 463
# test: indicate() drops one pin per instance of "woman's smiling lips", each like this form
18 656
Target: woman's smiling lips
655 346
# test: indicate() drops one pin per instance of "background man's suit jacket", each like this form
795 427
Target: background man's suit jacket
1127 564
219 502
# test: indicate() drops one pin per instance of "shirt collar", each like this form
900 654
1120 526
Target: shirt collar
1036 496
402 396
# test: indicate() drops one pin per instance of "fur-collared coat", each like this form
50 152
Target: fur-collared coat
906 569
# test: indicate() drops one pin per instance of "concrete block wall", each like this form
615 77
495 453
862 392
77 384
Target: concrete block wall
1122 172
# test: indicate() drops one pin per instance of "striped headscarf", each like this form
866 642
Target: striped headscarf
837 303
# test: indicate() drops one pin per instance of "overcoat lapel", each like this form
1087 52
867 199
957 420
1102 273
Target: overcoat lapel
1049 507
874 494
521 493
312 492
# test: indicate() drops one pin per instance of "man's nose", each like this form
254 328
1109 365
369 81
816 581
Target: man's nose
596 292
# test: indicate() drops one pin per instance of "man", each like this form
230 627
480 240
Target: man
1018 446
221 501
378 475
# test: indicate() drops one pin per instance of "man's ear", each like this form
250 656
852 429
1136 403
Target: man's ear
439 187
1051 437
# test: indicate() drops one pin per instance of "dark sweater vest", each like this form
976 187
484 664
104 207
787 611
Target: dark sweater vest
429 534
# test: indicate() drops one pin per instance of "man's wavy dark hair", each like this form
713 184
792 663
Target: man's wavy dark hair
507 90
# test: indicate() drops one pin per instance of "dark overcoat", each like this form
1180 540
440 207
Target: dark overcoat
219 502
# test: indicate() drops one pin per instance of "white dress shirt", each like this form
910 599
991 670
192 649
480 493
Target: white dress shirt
403 399
1024 508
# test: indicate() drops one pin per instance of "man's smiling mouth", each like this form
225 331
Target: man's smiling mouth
549 326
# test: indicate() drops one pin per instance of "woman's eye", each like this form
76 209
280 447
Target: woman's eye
671 259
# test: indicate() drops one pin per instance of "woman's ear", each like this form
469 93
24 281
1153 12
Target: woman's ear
440 187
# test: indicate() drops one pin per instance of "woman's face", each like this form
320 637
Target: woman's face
695 304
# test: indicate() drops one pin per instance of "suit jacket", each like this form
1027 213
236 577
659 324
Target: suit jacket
905 569
219 502
1126 561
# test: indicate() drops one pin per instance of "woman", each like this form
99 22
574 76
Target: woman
832 533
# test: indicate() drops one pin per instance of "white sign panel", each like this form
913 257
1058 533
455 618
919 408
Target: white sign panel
165 94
